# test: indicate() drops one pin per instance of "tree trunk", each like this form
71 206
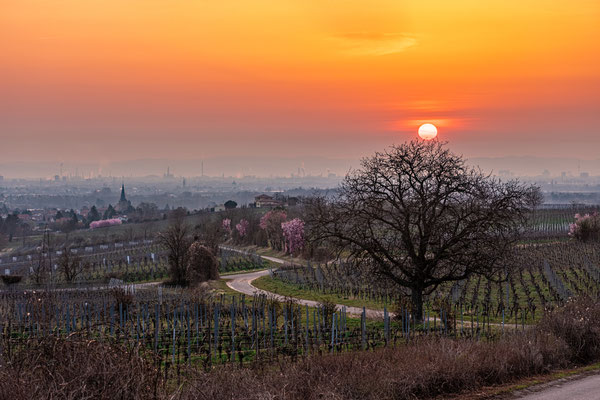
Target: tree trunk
416 296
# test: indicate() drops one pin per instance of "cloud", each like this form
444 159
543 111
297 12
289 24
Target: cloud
374 43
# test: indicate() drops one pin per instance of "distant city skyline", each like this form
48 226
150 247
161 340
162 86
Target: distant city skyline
265 167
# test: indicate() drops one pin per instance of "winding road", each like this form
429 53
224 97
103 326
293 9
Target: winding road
243 283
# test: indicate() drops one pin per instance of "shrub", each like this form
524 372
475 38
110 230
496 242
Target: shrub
328 308
122 296
11 279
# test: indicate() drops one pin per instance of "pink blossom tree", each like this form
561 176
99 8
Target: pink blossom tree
105 222
586 227
271 224
227 224
293 231
242 227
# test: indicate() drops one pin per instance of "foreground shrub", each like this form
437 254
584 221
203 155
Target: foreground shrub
75 369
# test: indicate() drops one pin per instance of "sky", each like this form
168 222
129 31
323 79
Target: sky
112 80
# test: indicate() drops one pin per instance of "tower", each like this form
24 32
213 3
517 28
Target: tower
123 198
123 205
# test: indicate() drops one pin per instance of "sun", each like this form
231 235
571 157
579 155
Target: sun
427 131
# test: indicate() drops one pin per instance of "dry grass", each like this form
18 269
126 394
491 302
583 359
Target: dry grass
54 368
424 369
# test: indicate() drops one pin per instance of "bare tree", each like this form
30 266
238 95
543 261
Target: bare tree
211 234
176 238
41 269
3 241
418 216
203 265
71 265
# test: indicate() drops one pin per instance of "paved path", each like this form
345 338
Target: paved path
580 389
243 283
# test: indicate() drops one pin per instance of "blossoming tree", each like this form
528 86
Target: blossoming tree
105 222
293 231
242 227
271 224
586 227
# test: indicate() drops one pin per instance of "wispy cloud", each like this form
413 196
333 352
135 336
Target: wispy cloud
374 43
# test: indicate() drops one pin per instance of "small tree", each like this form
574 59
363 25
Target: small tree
227 225
92 216
70 265
3 241
110 212
293 231
271 224
202 265
212 233
176 239
242 228
418 216
230 205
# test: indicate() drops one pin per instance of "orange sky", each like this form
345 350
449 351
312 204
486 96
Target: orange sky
117 79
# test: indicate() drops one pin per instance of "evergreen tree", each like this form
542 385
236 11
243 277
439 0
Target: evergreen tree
93 215
110 212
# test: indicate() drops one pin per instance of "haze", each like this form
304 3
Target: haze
245 82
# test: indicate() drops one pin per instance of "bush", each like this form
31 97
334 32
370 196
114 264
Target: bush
122 296
11 279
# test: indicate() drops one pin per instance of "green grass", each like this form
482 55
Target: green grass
287 289
242 271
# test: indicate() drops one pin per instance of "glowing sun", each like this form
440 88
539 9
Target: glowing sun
427 131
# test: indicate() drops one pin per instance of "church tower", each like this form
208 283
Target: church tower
123 198
123 204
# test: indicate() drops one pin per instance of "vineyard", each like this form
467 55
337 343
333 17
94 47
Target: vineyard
551 222
131 262
181 327
543 276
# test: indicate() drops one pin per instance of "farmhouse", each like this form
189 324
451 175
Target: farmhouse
265 200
